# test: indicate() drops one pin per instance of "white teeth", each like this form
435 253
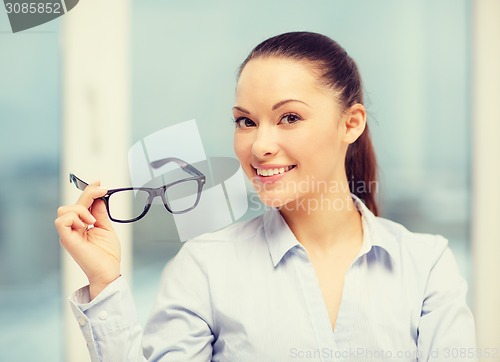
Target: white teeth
272 171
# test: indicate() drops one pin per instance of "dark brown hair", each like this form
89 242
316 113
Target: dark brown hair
338 71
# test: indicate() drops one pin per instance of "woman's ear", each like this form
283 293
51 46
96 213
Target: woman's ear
354 122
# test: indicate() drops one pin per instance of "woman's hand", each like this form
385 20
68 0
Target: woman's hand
95 248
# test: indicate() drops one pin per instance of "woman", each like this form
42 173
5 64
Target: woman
318 277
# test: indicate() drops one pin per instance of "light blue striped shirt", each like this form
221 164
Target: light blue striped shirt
249 293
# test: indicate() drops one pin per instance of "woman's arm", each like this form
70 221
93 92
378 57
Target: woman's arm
181 324
178 329
446 330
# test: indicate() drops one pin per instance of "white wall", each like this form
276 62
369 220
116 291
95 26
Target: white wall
96 123
486 171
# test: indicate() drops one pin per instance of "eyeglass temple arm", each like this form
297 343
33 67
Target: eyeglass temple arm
80 184
183 164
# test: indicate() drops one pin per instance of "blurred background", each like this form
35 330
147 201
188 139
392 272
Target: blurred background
177 61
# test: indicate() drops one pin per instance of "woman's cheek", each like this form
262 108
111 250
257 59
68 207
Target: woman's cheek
241 148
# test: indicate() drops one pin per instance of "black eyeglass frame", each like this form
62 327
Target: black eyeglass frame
153 192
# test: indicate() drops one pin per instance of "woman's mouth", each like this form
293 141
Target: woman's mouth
269 172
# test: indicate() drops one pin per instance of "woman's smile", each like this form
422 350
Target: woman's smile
271 173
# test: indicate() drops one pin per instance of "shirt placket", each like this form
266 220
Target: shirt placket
348 312
318 313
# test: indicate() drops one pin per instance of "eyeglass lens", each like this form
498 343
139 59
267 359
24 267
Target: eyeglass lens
138 199
180 197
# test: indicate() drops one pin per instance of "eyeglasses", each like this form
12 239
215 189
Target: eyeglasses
178 197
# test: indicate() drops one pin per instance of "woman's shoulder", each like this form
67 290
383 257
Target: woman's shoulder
403 234
425 248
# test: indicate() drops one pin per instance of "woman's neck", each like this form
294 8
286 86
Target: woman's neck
324 222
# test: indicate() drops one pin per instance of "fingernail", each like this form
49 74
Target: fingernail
93 219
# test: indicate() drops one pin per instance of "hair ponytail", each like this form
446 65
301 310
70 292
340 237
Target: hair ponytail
338 71
361 170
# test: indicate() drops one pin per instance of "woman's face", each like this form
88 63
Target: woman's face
288 135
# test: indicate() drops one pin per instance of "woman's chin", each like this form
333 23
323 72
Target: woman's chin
277 201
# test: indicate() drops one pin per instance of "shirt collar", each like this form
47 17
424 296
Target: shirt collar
375 234
280 238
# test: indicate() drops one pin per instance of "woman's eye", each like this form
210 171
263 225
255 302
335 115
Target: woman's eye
244 122
290 118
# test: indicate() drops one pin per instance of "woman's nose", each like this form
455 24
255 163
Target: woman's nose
265 143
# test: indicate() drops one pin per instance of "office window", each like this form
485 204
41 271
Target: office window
30 296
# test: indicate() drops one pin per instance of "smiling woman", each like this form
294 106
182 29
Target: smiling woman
319 274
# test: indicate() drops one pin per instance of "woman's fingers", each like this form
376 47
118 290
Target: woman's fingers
69 221
91 193
101 215
82 212
90 200
70 228
88 210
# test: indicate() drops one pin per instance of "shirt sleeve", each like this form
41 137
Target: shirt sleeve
109 323
178 328
446 331
181 323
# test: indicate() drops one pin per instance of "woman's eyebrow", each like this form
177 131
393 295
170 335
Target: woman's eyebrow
276 106
281 103
242 110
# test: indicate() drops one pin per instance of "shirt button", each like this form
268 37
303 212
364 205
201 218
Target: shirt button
103 315
81 321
